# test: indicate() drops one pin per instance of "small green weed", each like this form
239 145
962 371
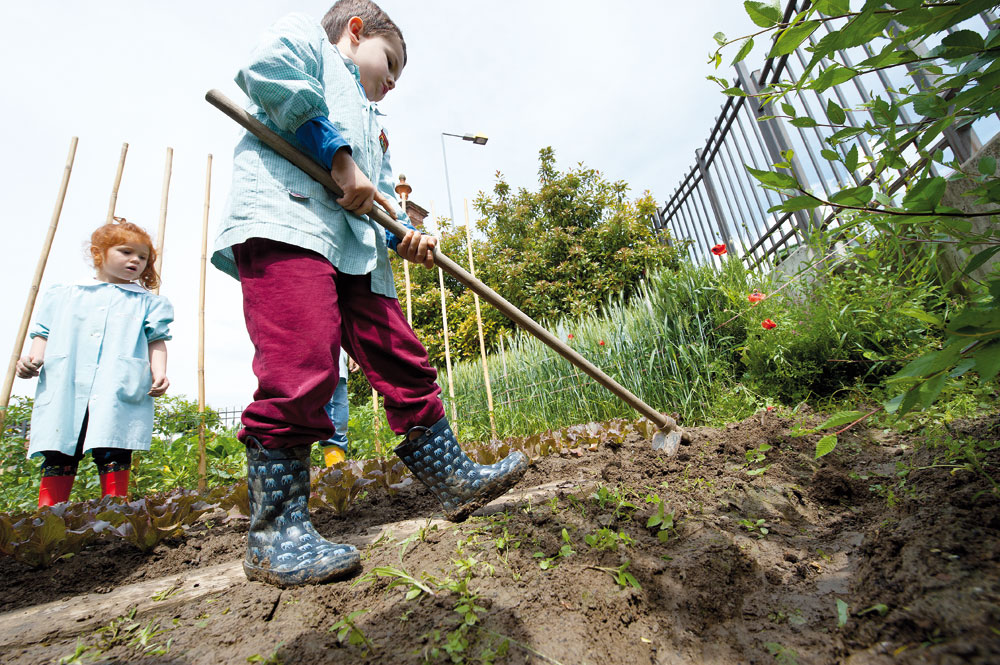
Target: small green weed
623 578
273 659
75 658
606 539
617 498
757 456
398 577
166 593
565 551
782 655
662 522
758 527
347 630
793 617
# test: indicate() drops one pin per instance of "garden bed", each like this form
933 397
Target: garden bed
619 556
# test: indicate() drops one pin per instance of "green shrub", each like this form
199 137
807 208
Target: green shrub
838 331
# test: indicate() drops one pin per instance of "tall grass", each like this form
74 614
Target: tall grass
670 344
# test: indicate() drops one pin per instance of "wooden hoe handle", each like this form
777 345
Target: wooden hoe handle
315 171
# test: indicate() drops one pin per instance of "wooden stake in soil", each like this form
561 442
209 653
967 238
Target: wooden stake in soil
404 192
162 230
29 305
118 181
503 361
447 348
202 456
376 421
479 322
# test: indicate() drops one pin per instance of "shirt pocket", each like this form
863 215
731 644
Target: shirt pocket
135 379
53 369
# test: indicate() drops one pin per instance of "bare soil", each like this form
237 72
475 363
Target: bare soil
751 572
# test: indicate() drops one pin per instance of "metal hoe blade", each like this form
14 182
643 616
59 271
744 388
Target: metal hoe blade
668 438
667 442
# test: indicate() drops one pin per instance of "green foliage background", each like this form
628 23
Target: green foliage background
562 250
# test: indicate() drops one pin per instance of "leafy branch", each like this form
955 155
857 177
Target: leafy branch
958 80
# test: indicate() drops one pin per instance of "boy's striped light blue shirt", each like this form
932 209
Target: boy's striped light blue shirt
295 74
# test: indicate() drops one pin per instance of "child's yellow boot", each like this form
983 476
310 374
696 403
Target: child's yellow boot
333 455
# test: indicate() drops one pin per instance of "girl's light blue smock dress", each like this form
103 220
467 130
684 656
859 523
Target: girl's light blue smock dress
96 359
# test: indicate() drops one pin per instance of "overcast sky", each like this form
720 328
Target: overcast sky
619 86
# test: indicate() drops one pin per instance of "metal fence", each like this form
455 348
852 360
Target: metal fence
718 201
229 417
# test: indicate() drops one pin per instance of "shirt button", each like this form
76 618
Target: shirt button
95 334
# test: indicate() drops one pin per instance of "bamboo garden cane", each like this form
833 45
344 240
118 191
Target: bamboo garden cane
669 435
160 234
479 323
403 190
29 305
447 348
202 455
162 229
376 421
503 361
118 181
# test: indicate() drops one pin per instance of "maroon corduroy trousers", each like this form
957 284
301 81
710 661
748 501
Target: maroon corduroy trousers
299 311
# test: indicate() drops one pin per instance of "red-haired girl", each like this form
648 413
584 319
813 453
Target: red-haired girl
103 342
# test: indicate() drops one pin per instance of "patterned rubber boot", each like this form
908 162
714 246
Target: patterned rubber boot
283 547
461 485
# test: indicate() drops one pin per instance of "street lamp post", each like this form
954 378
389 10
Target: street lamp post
478 139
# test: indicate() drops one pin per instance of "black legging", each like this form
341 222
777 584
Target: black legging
107 460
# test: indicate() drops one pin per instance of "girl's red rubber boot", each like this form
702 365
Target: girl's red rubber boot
54 489
114 483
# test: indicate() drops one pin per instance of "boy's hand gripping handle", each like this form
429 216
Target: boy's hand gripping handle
667 438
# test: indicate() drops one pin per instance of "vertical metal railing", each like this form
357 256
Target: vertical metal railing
717 201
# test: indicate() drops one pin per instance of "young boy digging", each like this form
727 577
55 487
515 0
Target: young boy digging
315 277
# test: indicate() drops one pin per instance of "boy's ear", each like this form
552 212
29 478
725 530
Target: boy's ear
355 28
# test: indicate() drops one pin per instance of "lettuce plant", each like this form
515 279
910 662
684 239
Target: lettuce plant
41 539
390 474
338 487
146 522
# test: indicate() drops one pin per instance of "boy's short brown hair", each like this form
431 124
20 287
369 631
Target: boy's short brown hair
376 21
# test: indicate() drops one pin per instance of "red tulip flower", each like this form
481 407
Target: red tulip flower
756 297
768 324
719 250
569 336
770 408
601 342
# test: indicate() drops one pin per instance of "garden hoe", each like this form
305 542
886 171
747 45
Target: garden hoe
667 438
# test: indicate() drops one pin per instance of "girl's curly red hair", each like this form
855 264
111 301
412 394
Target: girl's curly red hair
120 232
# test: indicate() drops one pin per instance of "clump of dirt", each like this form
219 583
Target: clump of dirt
731 551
